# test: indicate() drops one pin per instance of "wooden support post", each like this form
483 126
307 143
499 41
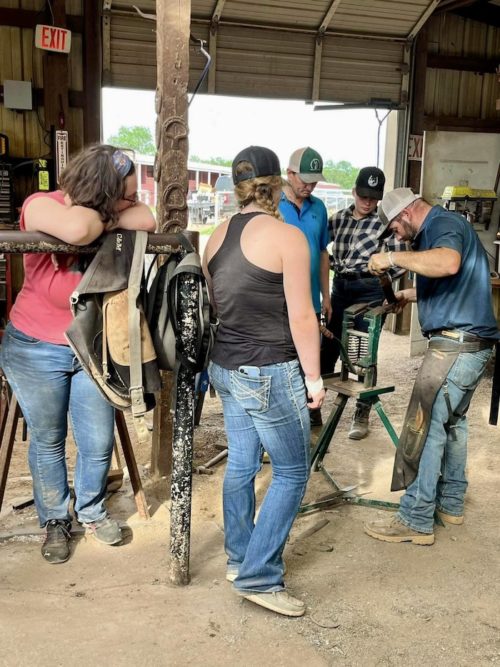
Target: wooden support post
56 78
417 120
92 68
172 44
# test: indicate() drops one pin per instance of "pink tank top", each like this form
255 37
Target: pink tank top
42 307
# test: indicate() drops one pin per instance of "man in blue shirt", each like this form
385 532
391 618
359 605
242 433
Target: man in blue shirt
300 208
453 292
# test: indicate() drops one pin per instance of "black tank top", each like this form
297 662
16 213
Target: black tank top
251 306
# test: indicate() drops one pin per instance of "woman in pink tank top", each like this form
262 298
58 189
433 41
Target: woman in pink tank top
98 192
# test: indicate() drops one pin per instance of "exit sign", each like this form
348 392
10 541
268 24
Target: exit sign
52 38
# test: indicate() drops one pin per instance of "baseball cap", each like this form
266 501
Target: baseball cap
263 161
370 182
395 201
308 164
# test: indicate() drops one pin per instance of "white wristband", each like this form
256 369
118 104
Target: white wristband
314 387
391 261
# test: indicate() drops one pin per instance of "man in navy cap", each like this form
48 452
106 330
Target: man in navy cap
355 233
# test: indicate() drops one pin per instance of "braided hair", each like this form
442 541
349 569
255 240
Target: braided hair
259 190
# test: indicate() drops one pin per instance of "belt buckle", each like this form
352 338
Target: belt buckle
454 335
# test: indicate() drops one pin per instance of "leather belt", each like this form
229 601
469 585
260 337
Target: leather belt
354 275
460 336
466 342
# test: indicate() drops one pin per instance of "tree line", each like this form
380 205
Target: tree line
139 139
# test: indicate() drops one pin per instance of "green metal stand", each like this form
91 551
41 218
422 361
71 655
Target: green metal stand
359 357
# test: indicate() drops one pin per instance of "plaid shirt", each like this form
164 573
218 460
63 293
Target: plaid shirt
355 241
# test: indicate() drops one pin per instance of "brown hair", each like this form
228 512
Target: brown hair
91 179
259 190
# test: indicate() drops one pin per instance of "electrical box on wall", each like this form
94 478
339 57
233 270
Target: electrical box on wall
17 95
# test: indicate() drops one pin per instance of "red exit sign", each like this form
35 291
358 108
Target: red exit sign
52 38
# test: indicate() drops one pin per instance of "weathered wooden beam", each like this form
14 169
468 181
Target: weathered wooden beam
76 98
460 63
172 55
26 18
55 78
36 242
454 123
92 71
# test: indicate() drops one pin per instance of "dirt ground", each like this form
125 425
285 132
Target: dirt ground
368 602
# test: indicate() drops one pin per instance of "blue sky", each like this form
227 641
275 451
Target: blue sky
222 126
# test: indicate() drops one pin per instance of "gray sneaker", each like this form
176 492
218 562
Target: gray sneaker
105 530
359 426
279 601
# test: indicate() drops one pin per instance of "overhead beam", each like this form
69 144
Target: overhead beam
106 42
212 44
422 20
480 65
318 49
26 18
468 124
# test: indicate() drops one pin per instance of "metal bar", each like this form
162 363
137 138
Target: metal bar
327 431
385 421
286 28
425 15
34 242
212 44
8 437
329 15
182 444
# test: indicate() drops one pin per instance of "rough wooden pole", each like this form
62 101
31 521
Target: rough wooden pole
172 44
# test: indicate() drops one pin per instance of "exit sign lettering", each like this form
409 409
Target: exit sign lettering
52 38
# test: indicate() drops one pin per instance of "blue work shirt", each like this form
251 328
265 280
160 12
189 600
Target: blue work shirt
462 301
312 220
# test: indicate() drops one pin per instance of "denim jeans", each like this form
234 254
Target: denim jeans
49 382
441 482
270 413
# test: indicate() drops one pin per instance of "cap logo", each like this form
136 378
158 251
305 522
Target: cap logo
314 165
372 181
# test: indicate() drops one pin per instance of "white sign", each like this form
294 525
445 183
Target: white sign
415 146
52 38
61 151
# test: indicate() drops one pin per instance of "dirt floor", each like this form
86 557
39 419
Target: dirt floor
368 602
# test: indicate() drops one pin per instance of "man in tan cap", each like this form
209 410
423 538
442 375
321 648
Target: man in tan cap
455 312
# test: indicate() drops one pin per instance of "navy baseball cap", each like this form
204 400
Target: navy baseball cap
263 162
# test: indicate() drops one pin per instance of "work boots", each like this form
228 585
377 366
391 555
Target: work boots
359 426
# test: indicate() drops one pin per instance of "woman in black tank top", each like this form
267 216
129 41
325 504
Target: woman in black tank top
258 270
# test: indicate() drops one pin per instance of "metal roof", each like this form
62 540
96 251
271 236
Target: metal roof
351 51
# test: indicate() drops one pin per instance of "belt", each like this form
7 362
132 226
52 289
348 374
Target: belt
354 275
459 336
468 342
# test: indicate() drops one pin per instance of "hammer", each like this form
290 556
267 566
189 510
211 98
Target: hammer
204 470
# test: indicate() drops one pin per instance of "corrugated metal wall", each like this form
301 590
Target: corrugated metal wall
19 60
461 94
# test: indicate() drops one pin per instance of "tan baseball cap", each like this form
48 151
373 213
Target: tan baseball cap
308 164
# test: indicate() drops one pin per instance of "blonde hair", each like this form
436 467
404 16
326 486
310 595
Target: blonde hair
259 190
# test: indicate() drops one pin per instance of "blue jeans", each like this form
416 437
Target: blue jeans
266 412
49 381
441 482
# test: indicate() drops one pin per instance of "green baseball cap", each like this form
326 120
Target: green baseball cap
308 164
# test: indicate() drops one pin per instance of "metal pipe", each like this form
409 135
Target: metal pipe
35 242
182 441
